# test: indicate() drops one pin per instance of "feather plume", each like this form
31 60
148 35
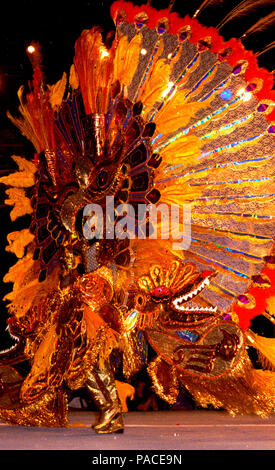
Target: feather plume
185 148
155 64
261 25
22 204
245 7
156 85
266 49
265 348
56 92
18 242
172 114
206 4
24 178
127 66
73 78
171 4
179 194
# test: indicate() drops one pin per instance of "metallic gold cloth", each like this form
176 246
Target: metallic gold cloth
202 357
243 390
62 352
49 410
164 378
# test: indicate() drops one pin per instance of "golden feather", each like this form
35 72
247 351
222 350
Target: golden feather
266 49
206 4
73 78
56 92
18 242
24 178
244 8
22 204
172 115
156 85
131 59
261 25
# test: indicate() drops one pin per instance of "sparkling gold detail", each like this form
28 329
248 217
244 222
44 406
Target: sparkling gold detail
164 378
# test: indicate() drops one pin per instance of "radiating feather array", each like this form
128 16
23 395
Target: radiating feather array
191 116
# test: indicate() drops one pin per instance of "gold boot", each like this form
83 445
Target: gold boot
115 425
102 387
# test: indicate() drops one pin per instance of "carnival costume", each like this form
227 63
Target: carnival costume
162 111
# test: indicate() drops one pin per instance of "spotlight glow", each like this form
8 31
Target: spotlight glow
247 96
240 91
31 49
167 90
104 53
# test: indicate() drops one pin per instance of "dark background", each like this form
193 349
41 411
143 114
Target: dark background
56 24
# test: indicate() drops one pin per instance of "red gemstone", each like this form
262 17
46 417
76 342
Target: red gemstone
258 279
251 87
206 273
161 291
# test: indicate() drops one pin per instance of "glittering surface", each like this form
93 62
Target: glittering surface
215 149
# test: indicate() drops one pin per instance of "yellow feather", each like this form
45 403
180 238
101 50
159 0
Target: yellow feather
21 203
32 293
19 180
265 347
205 4
261 25
42 358
242 9
176 113
185 149
27 130
25 178
56 92
179 194
131 59
31 125
119 59
18 242
73 78
156 85
124 391
18 272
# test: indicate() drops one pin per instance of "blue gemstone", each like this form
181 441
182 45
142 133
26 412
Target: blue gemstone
188 335
226 94
161 30
60 238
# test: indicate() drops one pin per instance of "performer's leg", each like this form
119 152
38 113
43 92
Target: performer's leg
101 385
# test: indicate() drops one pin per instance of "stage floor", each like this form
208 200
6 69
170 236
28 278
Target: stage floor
153 430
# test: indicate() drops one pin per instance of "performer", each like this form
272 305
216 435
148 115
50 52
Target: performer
165 113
